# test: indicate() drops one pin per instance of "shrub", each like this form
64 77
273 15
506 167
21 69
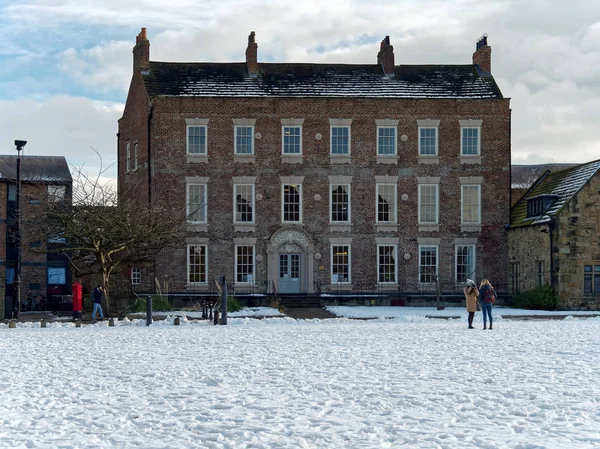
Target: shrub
159 303
233 305
540 298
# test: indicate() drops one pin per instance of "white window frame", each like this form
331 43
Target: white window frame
203 151
349 195
349 263
252 203
299 186
474 255
437 263
331 128
463 205
136 276
284 137
235 139
469 125
204 205
56 193
436 144
437 204
253 265
395 141
394 212
395 256
135 156
189 265
128 157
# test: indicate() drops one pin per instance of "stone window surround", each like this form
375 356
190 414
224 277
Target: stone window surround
193 226
292 158
473 181
244 241
386 158
244 158
335 226
127 156
427 158
244 226
388 241
196 158
464 241
428 241
470 159
340 123
428 180
341 241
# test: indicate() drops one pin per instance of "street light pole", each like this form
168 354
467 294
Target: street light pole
17 283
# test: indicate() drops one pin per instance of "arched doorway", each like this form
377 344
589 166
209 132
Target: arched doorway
291 256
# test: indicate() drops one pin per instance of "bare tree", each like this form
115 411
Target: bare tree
97 233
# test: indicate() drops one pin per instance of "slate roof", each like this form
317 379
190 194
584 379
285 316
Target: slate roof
523 176
564 184
318 80
35 169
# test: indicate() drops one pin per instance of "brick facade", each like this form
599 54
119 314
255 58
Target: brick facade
158 125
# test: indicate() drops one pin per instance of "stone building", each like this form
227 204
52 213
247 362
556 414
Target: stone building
554 236
307 178
43 274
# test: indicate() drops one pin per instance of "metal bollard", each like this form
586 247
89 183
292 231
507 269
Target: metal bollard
111 322
177 321
43 323
12 324
148 310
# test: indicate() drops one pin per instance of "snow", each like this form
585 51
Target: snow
284 383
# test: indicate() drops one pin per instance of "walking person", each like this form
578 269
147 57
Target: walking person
487 297
471 298
98 292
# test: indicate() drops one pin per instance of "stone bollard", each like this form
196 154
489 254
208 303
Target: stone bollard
177 321
43 323
12 324
111 322
77 323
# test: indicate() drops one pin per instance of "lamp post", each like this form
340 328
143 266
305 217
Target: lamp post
17 283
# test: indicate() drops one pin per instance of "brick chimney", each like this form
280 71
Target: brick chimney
385 57
483 55
252 54
141 53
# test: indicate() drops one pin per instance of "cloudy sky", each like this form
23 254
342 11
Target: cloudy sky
65 65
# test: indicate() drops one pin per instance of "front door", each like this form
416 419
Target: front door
289 273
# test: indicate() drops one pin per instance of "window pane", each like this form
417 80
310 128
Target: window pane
340 269
428 264
197 139
245 264
291 203
470 204
428 204
244 203
339 202
470 139
291 140
386 203
587 283
386 141
243 139
465 263
196 263
427 141
196 202
340 140
387 264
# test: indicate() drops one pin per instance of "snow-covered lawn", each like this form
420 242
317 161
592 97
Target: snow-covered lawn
281 383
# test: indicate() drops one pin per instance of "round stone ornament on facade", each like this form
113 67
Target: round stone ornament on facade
258 136
404 197
406 256
317 256
403 137
318 136
259 258
259 196
317 197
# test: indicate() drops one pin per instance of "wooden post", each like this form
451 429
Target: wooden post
111 322
12 324
43 323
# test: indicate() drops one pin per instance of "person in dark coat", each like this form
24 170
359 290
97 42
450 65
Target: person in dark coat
487 297
98 292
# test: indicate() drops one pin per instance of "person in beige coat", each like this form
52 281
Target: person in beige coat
471 298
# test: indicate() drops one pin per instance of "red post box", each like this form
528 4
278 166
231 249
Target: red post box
77 294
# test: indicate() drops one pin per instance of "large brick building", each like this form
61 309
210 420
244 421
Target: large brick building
322 177
554 236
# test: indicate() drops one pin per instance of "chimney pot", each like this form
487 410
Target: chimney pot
141 53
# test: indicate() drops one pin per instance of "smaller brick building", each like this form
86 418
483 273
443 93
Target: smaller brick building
554 236
43 274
